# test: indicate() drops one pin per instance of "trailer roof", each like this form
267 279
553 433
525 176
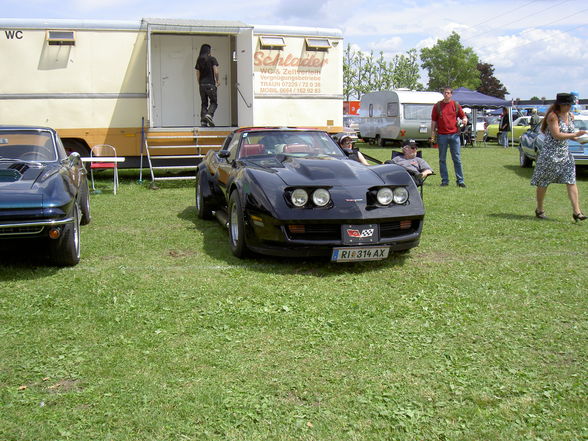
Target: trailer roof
168 25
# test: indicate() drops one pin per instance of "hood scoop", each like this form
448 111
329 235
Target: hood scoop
10 174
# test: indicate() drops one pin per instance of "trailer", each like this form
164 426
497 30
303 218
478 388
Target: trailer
396 115
133 84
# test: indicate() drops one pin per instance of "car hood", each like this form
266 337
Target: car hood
20 176
326 171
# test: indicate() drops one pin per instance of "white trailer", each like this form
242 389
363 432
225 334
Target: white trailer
396 115
121 82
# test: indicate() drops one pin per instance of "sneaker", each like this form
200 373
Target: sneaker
204 123
443 184
209 120
461 184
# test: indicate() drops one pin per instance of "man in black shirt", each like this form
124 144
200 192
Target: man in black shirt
207 74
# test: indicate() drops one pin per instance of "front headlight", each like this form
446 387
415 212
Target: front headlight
321 197
400 195
299 197
385 196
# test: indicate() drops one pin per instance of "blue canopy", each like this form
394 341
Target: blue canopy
471 98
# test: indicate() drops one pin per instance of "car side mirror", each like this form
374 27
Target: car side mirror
224 154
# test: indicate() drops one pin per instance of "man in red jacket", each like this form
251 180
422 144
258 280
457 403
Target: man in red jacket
445 127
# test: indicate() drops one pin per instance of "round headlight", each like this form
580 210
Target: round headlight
321 197
299 197
385 196
400 195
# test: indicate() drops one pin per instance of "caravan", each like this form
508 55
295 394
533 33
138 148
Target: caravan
129 84
395 115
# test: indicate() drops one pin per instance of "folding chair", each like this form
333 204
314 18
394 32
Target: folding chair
417 179
481 136
103 150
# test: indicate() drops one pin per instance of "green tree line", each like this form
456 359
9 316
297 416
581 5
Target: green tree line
448 64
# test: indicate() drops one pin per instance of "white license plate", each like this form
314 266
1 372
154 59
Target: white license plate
357 254
422 130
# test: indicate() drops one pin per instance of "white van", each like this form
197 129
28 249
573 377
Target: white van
396 115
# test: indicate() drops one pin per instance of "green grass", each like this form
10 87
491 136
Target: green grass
161 334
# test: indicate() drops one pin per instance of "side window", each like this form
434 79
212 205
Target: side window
392 109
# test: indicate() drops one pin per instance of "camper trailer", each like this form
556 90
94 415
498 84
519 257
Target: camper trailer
133 84
395 115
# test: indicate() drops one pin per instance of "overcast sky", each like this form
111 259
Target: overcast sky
537 47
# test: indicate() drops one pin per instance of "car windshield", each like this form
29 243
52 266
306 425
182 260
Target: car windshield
294 143
27 145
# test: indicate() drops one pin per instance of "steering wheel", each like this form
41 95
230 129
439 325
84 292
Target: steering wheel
38 155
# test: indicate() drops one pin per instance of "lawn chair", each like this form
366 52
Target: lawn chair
419 181
104 150
481 136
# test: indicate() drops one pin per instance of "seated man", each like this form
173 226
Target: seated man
346 144
416 166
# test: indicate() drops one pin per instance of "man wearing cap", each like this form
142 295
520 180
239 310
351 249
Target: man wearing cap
444 127
416 166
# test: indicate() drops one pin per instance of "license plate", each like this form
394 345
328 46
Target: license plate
422 130
358 254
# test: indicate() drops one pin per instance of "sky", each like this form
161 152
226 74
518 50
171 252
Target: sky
537 48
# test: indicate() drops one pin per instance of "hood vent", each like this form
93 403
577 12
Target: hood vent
9 175
21 167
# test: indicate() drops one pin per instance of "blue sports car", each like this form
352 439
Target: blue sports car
44 193
532 141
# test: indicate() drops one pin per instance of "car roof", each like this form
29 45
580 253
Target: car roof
7 127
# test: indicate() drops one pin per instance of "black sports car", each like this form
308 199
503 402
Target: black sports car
43 192
294 192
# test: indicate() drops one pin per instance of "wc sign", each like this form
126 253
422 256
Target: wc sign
11 35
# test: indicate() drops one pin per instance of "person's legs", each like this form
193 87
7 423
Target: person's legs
455 148
573 195
212 95
203 105
442 141
540 198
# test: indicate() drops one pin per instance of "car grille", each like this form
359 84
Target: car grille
333 231
13 231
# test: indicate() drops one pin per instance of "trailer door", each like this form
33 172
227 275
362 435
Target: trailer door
176 96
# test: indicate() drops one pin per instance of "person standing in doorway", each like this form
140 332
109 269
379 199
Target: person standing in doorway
444 127
207 74
504 128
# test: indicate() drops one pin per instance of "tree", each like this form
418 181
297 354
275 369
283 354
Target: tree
364 73
449 64
490 84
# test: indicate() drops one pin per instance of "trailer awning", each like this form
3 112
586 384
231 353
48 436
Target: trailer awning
194 26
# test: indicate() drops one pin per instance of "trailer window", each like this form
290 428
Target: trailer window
417 111
267 41
392 109
318 43
61 38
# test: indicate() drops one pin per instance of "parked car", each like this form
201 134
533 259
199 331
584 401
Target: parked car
294 192
520 125
44 193
532 142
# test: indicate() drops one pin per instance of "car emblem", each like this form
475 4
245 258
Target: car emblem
353 200
363 233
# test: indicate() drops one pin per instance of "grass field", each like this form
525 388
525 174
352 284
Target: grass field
480 333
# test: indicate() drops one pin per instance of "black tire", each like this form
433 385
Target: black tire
65 251
237 227
381 142
85 204
524 160
203 210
